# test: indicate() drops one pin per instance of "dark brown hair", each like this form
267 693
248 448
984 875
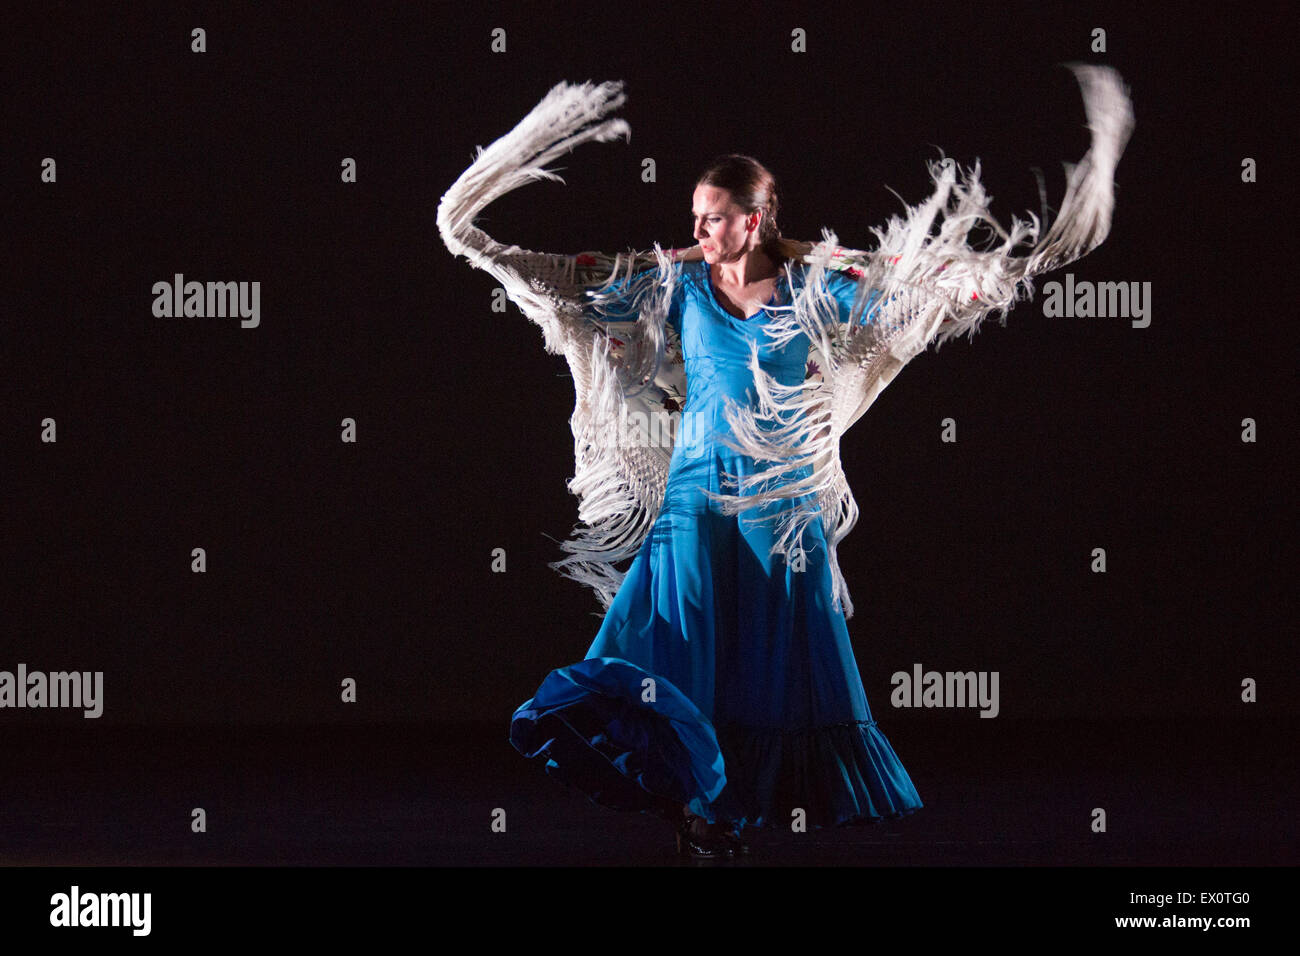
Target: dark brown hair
752 187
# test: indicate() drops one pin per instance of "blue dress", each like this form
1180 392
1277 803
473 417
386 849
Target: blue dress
721 677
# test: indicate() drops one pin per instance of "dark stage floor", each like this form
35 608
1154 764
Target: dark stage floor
997 793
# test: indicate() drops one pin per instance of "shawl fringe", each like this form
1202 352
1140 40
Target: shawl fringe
924 283
914 289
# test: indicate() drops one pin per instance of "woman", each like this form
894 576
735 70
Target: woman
721 690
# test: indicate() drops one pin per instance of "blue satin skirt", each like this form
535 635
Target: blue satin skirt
722 679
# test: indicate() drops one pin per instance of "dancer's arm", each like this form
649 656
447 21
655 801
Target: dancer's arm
549 288
926 282
843 285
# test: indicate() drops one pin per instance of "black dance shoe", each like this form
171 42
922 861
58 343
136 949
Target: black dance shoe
735 842
698 845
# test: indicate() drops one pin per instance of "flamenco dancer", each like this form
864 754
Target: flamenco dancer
713 385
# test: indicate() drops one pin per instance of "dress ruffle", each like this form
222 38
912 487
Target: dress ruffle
590 725
759 708
838 775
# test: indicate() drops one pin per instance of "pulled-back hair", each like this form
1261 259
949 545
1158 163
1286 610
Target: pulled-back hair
752 187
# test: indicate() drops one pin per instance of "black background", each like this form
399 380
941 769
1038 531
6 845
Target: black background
372 560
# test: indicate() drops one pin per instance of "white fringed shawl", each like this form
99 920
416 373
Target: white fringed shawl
932 287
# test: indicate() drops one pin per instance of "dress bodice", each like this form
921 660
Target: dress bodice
716 347
716 344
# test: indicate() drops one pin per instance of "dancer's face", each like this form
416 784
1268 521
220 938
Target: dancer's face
723 229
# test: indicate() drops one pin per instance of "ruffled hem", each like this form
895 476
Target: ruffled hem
837 775
592 727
